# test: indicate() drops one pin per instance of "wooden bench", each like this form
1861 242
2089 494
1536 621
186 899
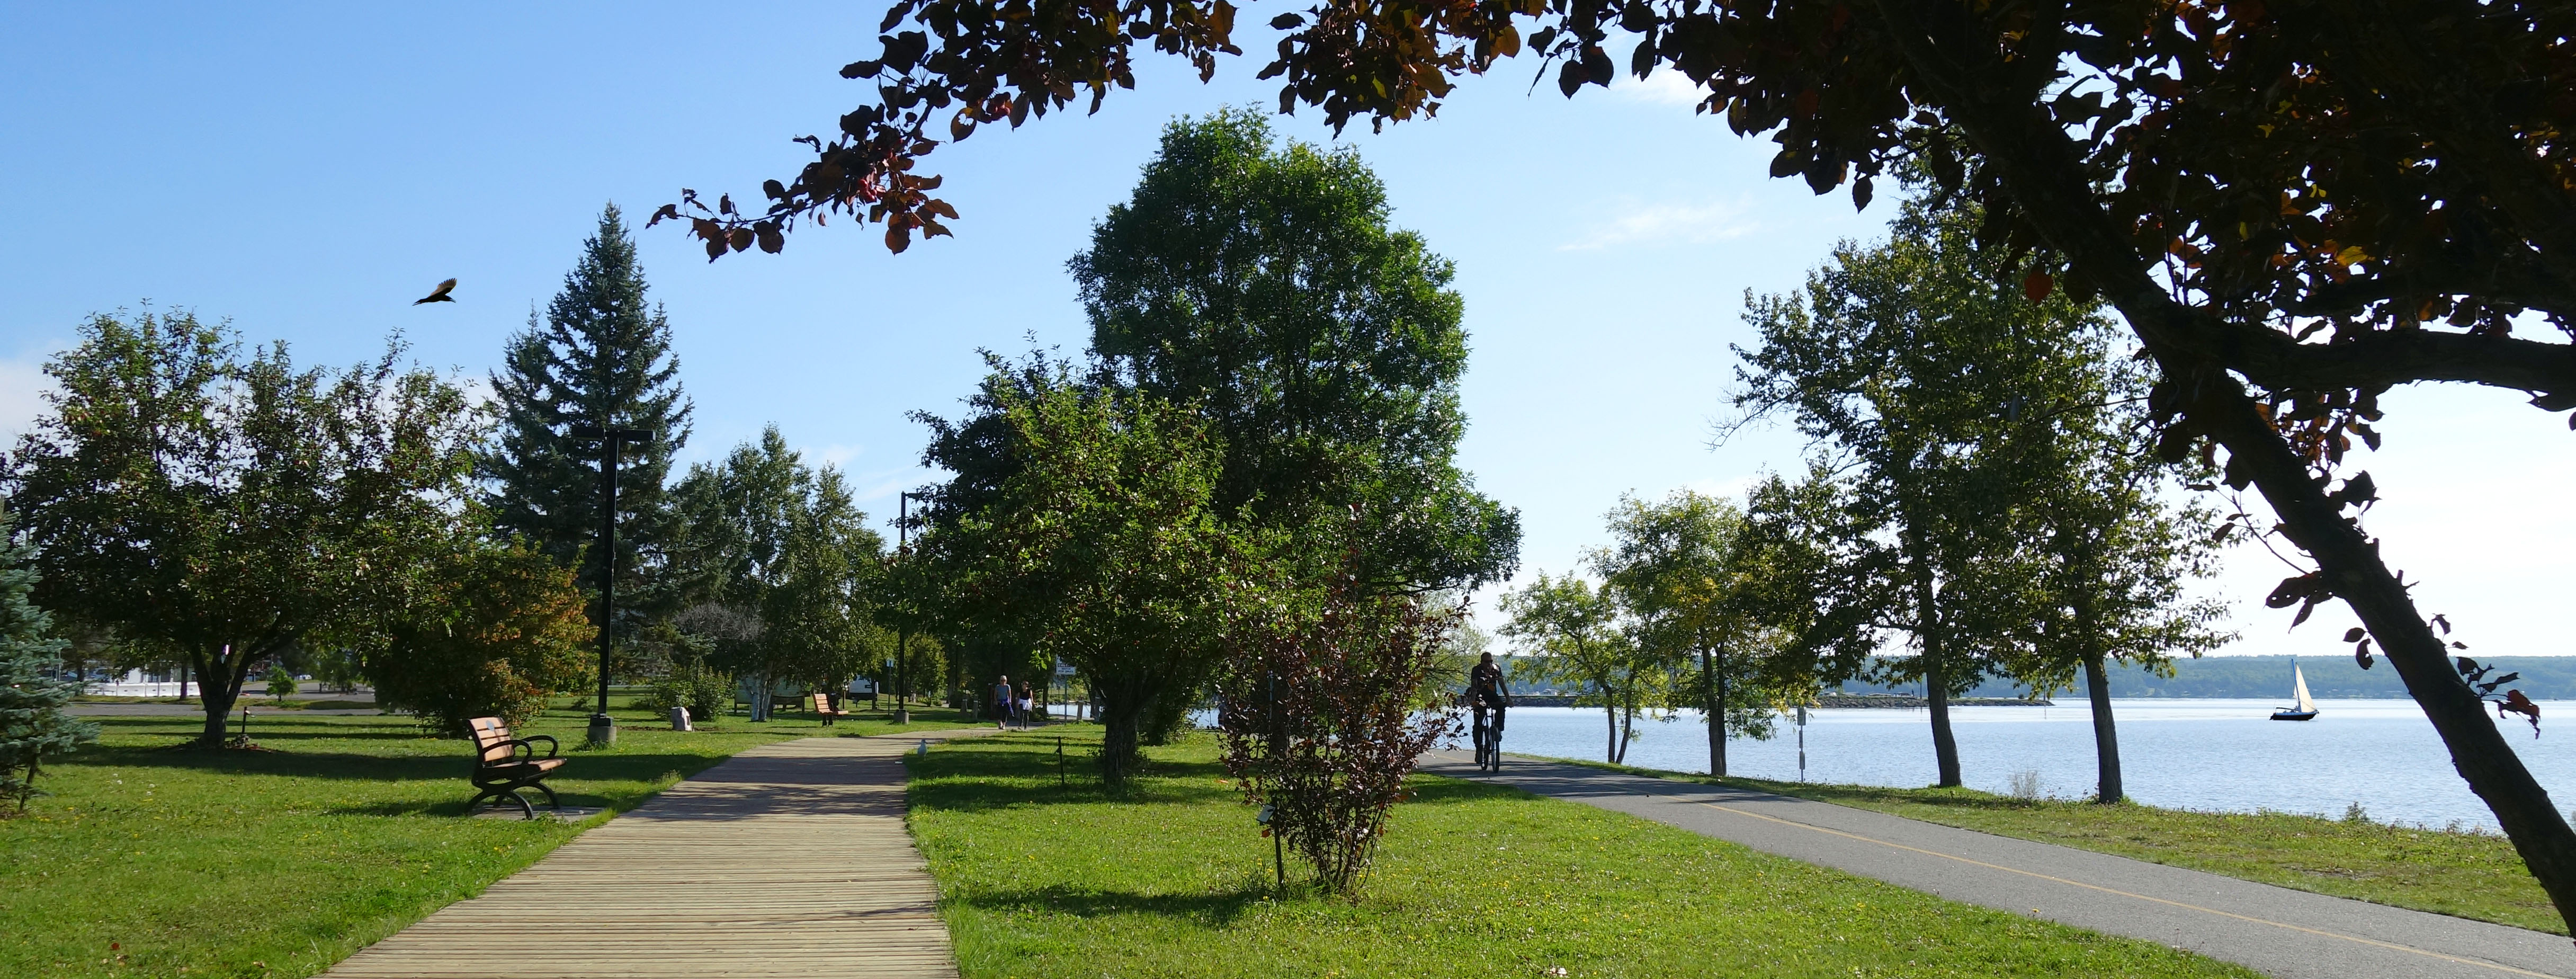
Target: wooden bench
503 765
821 705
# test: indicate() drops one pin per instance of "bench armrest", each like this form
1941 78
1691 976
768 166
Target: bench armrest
551 747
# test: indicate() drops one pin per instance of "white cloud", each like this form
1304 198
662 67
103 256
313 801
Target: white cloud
1664 87
1666 222
835 454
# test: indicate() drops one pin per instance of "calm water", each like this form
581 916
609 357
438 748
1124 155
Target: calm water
2194 754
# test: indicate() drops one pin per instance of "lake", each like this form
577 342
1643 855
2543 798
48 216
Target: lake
2184 754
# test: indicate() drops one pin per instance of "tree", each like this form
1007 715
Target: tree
180 495
32 688
1676 567
2110 566
1261 284
780 563
494 630
1325 713
1082 520
1908 367
601 357
1577 635
2236 177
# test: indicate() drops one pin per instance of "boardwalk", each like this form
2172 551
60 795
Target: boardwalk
2274 930
788 859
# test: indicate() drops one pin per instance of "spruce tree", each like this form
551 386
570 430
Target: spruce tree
32 688
599 356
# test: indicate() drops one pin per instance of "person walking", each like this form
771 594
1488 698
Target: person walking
1002 703
1486 691
1027 704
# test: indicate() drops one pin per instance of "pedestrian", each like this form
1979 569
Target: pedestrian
1002 703
1027 714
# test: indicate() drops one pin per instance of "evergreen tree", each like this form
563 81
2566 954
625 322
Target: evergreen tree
600 356
32 688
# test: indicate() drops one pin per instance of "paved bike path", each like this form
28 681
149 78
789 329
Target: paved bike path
2275 930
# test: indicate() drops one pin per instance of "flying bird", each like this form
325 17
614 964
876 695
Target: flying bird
438 295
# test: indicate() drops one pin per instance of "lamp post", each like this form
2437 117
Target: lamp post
603 729
903 627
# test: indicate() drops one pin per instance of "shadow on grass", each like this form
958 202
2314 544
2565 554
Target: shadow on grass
1214 910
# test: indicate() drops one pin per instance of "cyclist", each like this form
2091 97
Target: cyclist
1486 691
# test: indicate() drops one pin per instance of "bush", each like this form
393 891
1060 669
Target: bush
706 693
500 628
1323 720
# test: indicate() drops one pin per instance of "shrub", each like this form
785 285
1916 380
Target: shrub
706 693
499 628
1323 719
281 681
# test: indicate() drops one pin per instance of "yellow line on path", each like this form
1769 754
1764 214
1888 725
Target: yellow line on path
2109 890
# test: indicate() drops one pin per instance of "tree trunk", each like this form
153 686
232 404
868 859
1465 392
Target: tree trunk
1122 710
2349 564
1710 683
219 685
2045 174
1936 693
1936 676
1610 716
2106 742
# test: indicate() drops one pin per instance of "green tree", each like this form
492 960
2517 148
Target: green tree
494 629
2108 567
1677 568
601 356
1576 635
1261 284
780 564
1082 521
32 688
229 508
1908 367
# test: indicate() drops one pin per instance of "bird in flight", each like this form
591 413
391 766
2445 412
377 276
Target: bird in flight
438 295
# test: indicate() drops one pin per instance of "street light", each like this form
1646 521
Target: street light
903 626
603 729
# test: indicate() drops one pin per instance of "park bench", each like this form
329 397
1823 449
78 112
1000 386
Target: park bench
503 765
821 705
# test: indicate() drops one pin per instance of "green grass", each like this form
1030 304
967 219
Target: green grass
2462 874
1475 880
148 861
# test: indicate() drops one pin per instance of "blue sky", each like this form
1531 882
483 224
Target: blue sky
306 172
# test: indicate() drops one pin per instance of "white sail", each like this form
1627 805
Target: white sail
2307 705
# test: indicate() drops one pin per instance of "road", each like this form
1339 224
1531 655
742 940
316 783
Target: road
2274 930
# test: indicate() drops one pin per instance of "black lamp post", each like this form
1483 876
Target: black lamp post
603 729
903 627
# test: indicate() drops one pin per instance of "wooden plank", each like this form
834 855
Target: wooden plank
788 860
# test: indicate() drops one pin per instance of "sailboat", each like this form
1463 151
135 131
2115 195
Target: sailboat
2306 709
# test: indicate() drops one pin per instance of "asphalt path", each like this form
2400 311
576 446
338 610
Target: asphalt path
2274 930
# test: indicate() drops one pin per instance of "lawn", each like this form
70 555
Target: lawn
2463 874
1475 880
148 861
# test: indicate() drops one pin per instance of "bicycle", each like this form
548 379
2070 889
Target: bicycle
1488 737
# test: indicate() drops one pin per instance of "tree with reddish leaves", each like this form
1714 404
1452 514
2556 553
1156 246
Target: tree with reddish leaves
2296 205
1327 706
